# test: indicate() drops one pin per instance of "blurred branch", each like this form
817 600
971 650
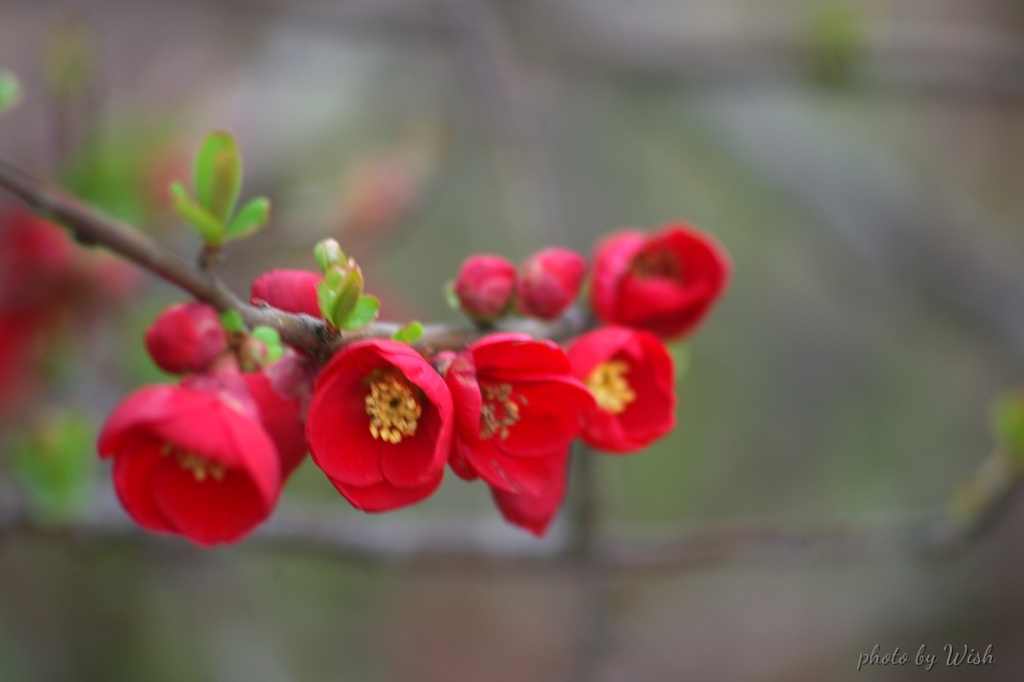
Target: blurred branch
461 545
91 228
929 61
487 54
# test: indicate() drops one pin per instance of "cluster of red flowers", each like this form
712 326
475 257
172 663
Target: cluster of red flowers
383 419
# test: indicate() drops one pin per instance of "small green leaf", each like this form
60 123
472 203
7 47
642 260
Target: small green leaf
251 219
10 90
268 335
363 314
346 297
1008 422
218 174
325 299
209 227
274 353
232 321
410 333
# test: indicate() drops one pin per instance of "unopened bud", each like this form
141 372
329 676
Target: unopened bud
484 286
186 338
548 282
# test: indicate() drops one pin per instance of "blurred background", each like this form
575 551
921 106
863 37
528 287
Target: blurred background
861 161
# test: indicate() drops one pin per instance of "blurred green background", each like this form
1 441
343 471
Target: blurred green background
861 161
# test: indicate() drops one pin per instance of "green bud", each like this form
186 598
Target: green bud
232 321
1008 424
346 297
328 254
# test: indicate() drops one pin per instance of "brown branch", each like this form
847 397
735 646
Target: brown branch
303 331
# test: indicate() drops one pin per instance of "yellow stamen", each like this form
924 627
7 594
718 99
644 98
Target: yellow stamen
393 408
609 387
658 264
498 410
200 467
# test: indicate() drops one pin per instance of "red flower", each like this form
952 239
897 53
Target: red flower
484 286
516 407
665 282
186 338
380 425
548 281
293 291
535 512
630 375
193 462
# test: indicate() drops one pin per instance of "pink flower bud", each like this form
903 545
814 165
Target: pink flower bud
548 281
484 286
186 338
293 291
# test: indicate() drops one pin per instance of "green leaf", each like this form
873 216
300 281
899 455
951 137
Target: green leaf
1008 422
232 321
346 296
251 219
364 313
268 335
218 174
410 333
55 464
325 299
10 90
210 229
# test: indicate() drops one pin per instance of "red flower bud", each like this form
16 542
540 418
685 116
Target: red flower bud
516 407
548 281
630 375
535 512
484 286
186 338
380 425
193 462
293 291
665 282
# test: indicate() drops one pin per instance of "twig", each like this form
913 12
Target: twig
311 334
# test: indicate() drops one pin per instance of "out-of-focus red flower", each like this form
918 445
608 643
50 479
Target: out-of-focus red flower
293 291
380 425
548 281
186 338
665 282
35 261
484 286
193 462
535 512
630 375
516 407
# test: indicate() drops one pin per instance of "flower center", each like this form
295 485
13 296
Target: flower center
200 467
657 264
607 383
393 408
499 410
